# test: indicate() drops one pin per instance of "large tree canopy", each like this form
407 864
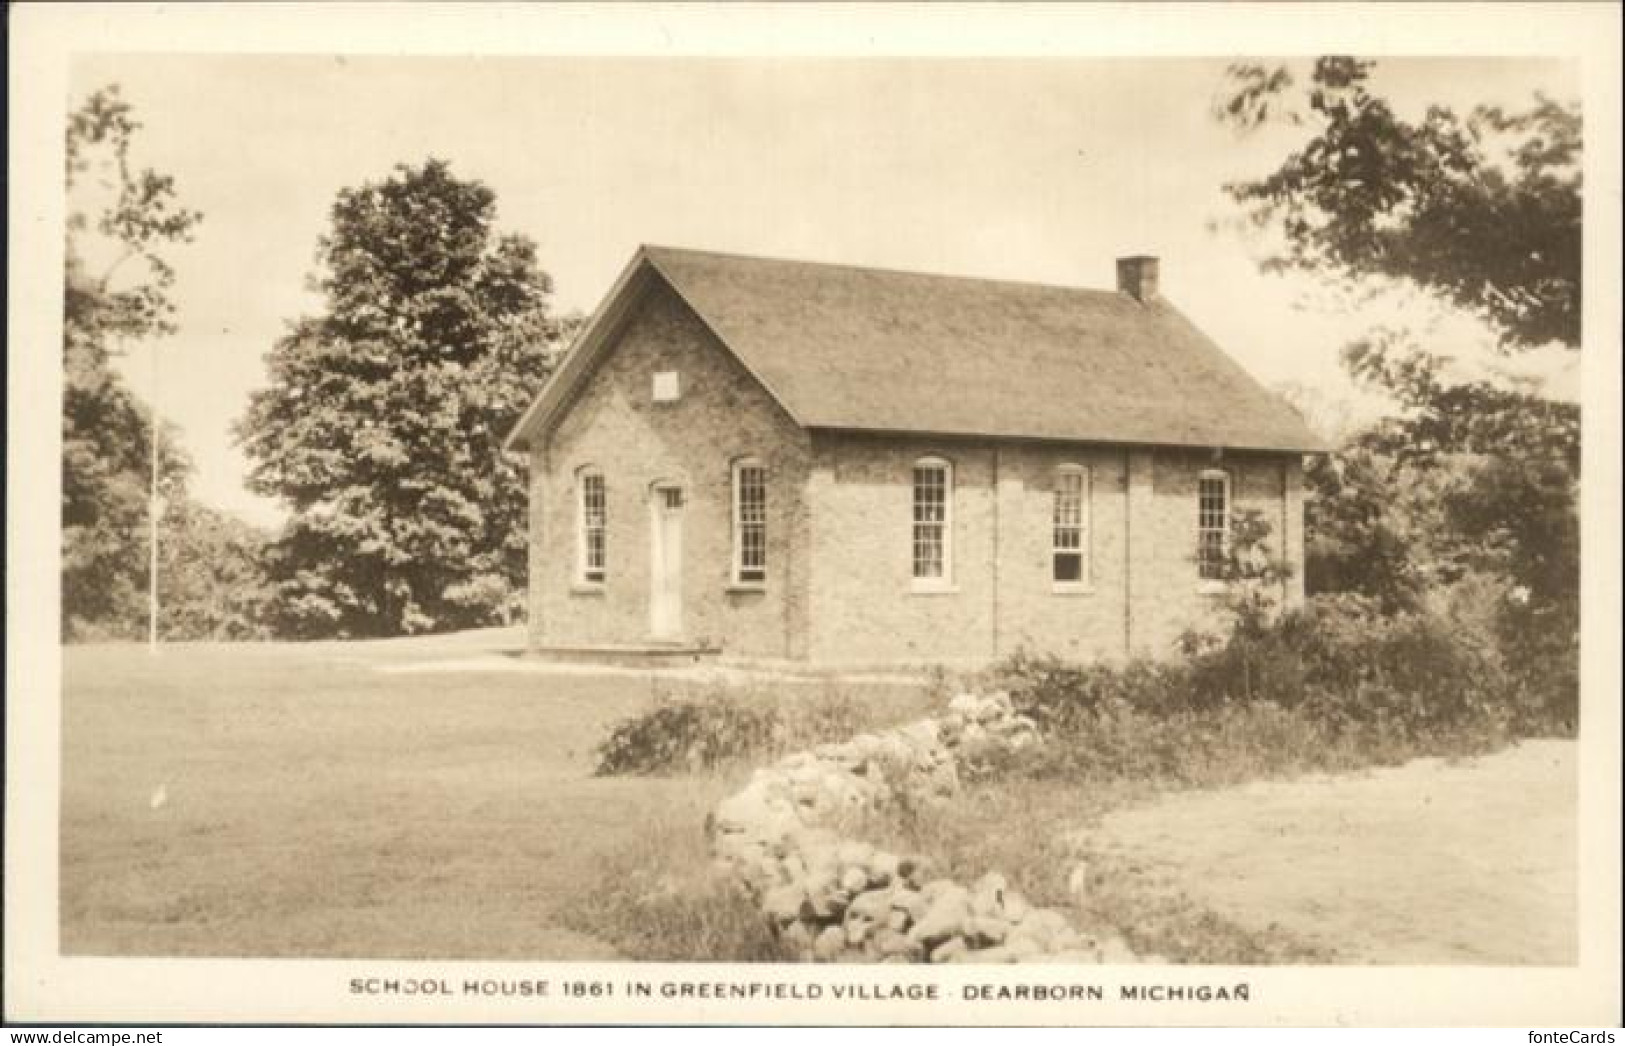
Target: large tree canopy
1481 210
1471 485
383 422
117 280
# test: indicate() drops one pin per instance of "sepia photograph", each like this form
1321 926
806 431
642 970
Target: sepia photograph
635 531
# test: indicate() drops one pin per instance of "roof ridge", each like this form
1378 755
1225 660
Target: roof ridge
888 271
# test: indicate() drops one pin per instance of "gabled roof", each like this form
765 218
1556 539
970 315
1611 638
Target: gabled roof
882 351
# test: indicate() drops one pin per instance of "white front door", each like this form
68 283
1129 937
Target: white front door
666 563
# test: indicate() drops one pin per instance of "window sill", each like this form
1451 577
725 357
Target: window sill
919 588
1062 588
746 587
1211 588
586 588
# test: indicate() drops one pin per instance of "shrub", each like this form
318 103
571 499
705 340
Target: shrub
719 725
1334 685
689 735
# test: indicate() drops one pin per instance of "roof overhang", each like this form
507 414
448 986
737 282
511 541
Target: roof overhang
1305 446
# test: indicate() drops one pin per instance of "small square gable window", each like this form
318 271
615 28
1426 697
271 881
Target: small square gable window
665 386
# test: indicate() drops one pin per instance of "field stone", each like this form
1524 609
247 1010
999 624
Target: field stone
792 869
889 943
819 880
783 903
1021 946
829 944
918 872
830 904
774 835
820 854
917 906
909 900
797 937
988 930
987 895
871 904
944 918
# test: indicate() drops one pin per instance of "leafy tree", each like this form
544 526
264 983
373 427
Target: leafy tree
213 585
1513 459
116 291
1469 479
1429 203
1354 540
383 422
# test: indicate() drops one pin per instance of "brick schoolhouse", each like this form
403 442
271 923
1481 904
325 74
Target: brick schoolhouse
785 460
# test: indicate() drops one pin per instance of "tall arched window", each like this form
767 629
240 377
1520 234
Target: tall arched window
933 522
1069 531
1212 523
750 522
591 521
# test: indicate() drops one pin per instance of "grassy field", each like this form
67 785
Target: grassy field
435 798
326 800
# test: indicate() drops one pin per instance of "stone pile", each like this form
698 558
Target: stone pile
836 899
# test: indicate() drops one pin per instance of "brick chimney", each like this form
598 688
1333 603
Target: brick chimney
1137 277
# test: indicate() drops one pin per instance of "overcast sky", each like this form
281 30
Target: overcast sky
1043 170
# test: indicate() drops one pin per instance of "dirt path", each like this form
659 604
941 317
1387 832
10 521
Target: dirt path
1469 863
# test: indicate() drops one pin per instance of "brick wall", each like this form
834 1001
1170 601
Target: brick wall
863 605
615 426
1173 597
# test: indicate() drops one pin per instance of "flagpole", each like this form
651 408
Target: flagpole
152 516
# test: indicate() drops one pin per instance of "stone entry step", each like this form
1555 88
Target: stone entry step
628 655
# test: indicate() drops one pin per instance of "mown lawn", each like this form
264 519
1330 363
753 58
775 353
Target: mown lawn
302 800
